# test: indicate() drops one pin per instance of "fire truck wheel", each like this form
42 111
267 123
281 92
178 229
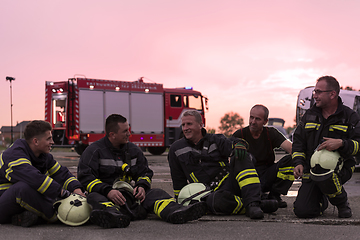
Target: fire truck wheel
156 150
80 148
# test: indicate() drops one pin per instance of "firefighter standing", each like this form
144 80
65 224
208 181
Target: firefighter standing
30 178
332 126
114 158
276 178
204 158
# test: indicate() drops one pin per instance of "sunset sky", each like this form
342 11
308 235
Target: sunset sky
238 53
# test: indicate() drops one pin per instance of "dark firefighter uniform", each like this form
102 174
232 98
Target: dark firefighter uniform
31 183
343 124
274 177
101 164
235 183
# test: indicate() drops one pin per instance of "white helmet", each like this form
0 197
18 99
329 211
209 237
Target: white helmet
73 210
123 185
192 192
323 163
132 205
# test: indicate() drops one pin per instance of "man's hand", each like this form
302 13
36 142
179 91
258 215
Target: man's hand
78 191
116 197
298 171
240 149
139 193
330 144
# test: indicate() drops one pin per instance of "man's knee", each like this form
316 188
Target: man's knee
303 211
222 202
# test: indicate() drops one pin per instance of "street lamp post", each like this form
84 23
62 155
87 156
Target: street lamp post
10 79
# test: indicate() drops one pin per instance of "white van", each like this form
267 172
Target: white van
305 101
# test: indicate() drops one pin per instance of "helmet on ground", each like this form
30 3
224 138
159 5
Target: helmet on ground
73 210
323 163
192 193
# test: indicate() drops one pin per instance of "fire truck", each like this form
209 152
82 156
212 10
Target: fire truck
77 109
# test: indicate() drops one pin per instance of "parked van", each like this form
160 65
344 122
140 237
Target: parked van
305 101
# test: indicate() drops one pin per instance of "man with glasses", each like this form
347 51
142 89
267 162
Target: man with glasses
332 126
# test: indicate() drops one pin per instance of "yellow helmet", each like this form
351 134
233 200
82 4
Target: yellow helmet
323 163
73 210
192 192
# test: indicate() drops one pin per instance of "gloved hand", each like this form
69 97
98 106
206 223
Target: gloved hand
240 149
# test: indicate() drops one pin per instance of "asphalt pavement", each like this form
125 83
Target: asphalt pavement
282 224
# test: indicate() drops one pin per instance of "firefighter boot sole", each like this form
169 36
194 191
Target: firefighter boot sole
25 219
188 213
107 219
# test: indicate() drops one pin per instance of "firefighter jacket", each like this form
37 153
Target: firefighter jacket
43 173
343 124
198 163
101 164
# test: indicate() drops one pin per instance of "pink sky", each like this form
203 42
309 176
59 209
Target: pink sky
237 53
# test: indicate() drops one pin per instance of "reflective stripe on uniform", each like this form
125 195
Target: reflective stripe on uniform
298 154
222 180
45 185
31 209
192 175
286 173
246 177
239 205
110 162
337 184
338 127
5 186
144 178
13 164
311 125
356 147
212 147
185 150
176 192
54 169
90 186
69 180
222 164
161 204
1 161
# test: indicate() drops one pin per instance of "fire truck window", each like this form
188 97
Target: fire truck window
195 102
175 100
186 102
59 112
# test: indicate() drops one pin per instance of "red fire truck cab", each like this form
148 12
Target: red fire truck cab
77 109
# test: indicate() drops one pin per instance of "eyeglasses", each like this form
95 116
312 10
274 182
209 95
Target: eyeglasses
317 91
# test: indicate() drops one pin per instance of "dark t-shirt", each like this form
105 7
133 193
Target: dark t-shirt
263 147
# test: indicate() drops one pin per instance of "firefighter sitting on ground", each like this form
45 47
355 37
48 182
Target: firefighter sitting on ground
199 157
31 180
275 178
114 202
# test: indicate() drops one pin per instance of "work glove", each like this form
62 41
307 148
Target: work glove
240 148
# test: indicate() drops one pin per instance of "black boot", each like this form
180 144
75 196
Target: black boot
276 196
109 219
178 214
25 219
269 205
344 211
254 211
